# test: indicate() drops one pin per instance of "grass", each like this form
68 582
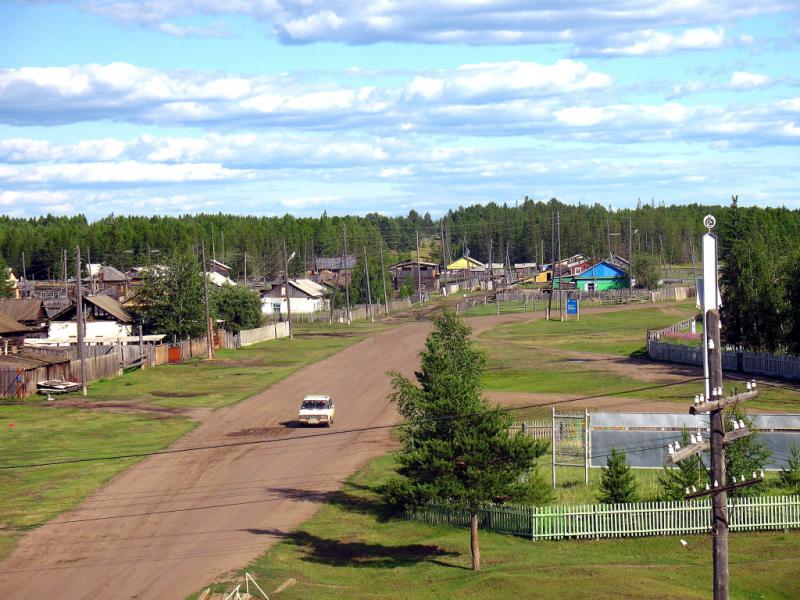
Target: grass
69 428
233 375
349 551
32 495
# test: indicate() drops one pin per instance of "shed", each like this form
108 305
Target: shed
407 271
306 297
334 263
21 371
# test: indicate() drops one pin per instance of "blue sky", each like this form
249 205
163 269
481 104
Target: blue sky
275 106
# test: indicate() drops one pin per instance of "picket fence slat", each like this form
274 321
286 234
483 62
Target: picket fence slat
617 520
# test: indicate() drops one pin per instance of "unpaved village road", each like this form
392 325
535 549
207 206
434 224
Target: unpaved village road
174 522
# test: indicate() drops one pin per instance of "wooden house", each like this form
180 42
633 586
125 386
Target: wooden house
306 297
13 333
406 273
21 371
602 276
105 318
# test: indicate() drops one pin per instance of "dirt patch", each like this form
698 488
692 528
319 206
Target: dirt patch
175 394
120 407
256 432
327 334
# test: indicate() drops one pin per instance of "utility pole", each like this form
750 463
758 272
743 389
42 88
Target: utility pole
560 301
419 273
630 255
245 267
89 267
346 278
608 232
713 403
288 294
24 272
222 242
383 278
213 246
64 272
79 318
369 290
209 344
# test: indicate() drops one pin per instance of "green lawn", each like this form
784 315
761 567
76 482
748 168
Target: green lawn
233 375
32 495
349 551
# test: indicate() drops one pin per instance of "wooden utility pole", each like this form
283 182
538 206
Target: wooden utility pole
89 268
288 291
560 301
383 278
630 255
64 272
80 320
245 268
346 278
419 273
24 272
369 290
209 341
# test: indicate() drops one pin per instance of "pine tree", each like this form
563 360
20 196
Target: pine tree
455 447
617 483
688 472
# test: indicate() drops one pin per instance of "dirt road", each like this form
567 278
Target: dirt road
174 522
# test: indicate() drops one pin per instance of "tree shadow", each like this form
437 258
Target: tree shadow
363 504
338 553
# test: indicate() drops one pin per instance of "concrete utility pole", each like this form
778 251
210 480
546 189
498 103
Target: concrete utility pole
369 291
346 278
79 319
383 277
209 343
288 293
419 273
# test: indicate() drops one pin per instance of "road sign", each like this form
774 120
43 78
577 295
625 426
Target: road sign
572 307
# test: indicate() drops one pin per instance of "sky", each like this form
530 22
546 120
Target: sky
269 107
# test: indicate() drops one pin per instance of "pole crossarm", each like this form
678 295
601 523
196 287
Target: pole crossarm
706 407
705 445
725 488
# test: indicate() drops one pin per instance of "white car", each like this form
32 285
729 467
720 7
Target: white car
316 410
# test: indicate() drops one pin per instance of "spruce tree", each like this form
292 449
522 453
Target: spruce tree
455 447
790 474
689 472
617 483
745 456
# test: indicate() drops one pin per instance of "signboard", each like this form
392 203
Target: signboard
572 307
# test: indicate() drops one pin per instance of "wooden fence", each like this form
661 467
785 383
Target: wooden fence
618 520
540 430
358 312
755 363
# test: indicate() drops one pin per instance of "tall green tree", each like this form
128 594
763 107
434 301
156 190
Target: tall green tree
456 448
239 307
790 474
171 300
792 305
617 483
645 271
688 472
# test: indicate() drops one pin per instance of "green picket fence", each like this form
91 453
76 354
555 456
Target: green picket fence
618 520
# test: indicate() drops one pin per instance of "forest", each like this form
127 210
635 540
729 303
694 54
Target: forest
523 232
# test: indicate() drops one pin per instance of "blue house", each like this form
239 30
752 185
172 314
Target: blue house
602 276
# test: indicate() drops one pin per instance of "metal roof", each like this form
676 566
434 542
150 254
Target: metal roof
31 360
334 263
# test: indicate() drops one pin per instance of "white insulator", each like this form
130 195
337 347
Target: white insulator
716 483
749 387
708 487
687 491
702 398
692 439
754 475
670 450
735 426
741 424
677 446
694 490
761 472
734 479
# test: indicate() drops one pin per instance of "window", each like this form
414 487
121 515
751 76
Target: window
42 294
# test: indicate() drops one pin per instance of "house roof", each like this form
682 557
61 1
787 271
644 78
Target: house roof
218 279
603 270
334 263
219 263
525 265
465 262
10 326
111 274
307 286
24 309
414 262
31 360
104 303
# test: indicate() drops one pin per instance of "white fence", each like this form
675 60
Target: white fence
619 520
755 363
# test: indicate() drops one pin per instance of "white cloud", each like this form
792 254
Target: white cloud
652 42
744 80
311 201
126 172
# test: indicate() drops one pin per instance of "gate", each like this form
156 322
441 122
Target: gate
570 442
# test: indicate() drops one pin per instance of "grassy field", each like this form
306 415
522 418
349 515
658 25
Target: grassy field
137 413
350 551
552 357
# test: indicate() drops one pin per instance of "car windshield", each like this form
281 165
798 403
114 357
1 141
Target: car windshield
314 404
